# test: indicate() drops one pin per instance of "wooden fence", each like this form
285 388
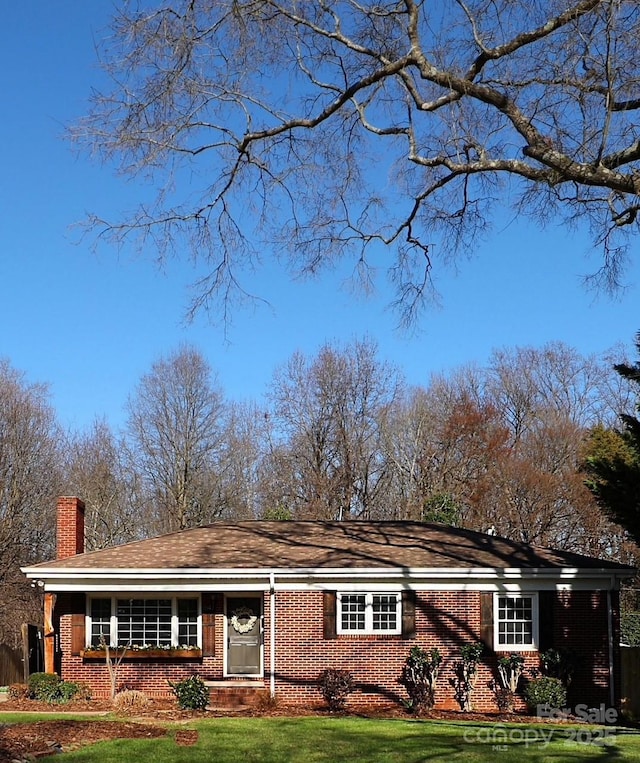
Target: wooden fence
630 680
16 665
11 666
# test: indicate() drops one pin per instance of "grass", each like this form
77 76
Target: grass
18 716
320 740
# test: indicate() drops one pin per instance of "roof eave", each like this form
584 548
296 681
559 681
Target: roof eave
324 573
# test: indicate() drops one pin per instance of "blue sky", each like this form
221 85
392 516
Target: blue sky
90 325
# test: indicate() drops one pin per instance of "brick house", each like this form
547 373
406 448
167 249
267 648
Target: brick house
266 606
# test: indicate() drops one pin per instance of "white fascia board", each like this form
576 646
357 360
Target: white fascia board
208 579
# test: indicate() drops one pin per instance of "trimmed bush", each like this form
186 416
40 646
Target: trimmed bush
44 687
67 690
335 687
466 673
547 691
47 687
420 676
192 694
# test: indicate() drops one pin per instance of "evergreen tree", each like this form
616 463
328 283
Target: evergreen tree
613 462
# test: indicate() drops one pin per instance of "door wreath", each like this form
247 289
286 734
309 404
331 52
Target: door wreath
243 619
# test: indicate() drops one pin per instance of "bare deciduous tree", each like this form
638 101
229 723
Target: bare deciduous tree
243 442
502 447
327 412
96 471
535 387
30 480
174 436
334 127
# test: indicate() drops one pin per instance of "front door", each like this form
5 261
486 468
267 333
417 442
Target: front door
244 635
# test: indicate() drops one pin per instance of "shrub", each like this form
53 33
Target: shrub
130 700
558 663
510 668
84 691
192 693
465 674
545 691
419 677
47 687
18 691
44 687
630 628
67 690
335 686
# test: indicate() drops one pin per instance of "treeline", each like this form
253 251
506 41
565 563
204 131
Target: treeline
340 436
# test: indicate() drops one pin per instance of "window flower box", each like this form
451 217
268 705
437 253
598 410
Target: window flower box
144 654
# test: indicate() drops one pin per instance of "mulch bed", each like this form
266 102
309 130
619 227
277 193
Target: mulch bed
29 741
26 741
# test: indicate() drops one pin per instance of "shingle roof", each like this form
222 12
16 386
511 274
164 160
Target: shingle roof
316 545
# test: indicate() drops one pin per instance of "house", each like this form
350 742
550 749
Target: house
266 606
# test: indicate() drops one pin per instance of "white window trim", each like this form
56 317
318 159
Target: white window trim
368 629
113 636
498 647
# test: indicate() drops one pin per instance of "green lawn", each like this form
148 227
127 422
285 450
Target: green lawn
311 740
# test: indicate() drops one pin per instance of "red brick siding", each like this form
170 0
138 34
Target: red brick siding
447 620
147 676
581 622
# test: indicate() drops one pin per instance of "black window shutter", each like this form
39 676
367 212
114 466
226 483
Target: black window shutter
486 618
329 614
546 600
408 614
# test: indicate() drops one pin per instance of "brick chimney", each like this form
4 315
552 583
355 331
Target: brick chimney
70 527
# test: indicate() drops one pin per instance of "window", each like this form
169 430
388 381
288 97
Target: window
368 613
167 622
188 622
100 614
516 621
144 621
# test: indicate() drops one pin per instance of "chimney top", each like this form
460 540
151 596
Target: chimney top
70 527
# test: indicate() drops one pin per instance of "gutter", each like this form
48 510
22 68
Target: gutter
296 575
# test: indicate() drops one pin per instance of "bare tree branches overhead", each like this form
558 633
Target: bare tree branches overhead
343 130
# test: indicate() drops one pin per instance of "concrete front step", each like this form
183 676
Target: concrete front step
235 694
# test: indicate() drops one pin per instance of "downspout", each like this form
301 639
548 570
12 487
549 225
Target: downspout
272 635
612 693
